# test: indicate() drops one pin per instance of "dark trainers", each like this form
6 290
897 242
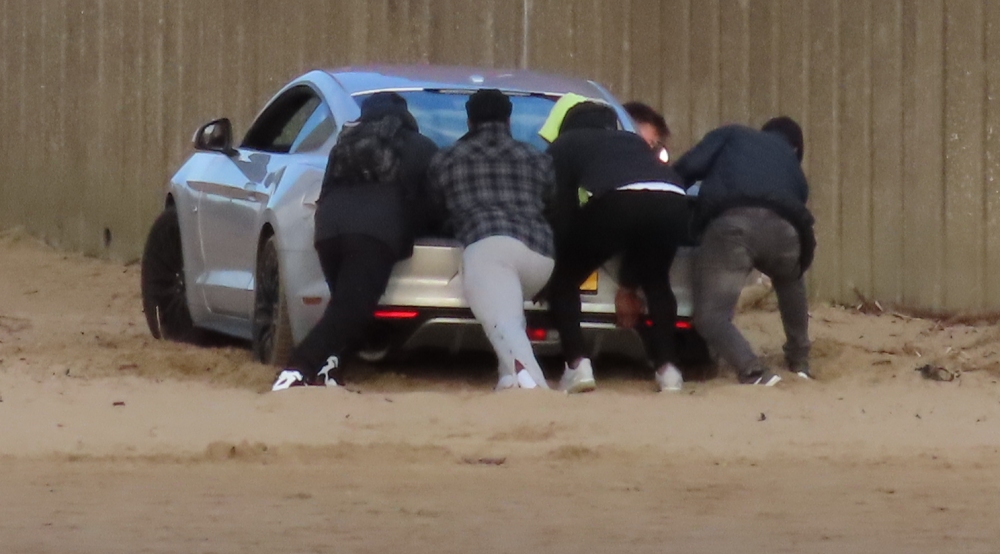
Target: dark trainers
800 368
803 372
760 377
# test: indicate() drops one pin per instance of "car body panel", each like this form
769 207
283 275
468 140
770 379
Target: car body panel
228 204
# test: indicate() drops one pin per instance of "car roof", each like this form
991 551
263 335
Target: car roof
370 78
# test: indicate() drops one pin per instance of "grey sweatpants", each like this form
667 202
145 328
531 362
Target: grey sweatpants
499 274
736 242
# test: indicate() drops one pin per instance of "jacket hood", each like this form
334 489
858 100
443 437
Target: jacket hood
381 105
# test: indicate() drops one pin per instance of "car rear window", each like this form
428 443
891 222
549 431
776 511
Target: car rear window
441 114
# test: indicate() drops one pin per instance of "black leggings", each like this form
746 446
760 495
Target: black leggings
646 228
357 269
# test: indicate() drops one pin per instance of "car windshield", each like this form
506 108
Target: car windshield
441 115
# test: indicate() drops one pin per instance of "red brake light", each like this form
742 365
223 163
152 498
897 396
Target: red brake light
396 314
681 324
537 334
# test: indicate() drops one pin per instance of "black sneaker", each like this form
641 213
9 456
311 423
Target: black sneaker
761 377
802 370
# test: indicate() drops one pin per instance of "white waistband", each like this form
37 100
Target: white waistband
654 185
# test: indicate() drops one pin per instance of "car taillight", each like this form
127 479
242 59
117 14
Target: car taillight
396 314
681 324
537 334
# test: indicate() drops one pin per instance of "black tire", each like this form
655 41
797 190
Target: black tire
381 344
691 348
272 329
164 293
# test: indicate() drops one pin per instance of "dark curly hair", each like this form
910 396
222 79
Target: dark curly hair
789 129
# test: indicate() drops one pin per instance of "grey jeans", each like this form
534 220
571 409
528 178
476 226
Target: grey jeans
736 242
499 275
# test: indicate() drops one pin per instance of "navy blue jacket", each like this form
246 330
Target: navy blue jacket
743 167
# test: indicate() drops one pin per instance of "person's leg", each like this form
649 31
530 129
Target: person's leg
659 219
363 278
311 352
722 263
794 309
779 253
533 271
659 224
595 237
493 290
357 269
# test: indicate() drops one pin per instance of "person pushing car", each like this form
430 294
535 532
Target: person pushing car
633 205
368 213
751 214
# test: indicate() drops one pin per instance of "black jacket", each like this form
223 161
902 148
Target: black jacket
600 161
742 167
394 213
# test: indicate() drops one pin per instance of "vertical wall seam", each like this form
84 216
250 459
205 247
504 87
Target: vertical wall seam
984 213
626 60
900 28
689 102
838 136
870 83
525 28
942 294
775 106
804 80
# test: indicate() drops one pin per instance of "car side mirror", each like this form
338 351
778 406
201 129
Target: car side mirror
215 136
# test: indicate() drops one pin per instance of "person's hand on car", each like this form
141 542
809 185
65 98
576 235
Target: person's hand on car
628 308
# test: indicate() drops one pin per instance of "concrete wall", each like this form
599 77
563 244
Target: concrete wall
99 98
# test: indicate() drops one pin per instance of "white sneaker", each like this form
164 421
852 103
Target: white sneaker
287 379
324 377
580 379
506 382
670 379
525 381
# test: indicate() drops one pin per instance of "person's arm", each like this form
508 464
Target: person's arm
566 200
429 216
327 177
546 179
697 162
437 205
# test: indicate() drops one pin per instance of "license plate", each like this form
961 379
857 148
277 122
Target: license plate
590 285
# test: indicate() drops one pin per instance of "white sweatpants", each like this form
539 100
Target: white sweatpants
499 274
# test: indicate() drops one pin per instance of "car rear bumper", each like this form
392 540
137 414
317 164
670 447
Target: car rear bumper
454 330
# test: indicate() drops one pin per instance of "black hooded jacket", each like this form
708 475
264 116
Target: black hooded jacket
396 212
743 167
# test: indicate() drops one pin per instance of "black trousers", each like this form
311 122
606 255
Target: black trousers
645 227
357 269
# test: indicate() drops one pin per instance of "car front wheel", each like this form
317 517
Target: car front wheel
164 292
272 330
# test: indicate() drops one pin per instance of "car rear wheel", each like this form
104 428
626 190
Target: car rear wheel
272 329
164 292
692 350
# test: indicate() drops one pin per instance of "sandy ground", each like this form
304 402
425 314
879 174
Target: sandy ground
111 441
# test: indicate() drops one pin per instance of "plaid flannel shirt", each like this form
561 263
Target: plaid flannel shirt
494 185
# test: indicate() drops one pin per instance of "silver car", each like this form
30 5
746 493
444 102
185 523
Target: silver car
232 251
